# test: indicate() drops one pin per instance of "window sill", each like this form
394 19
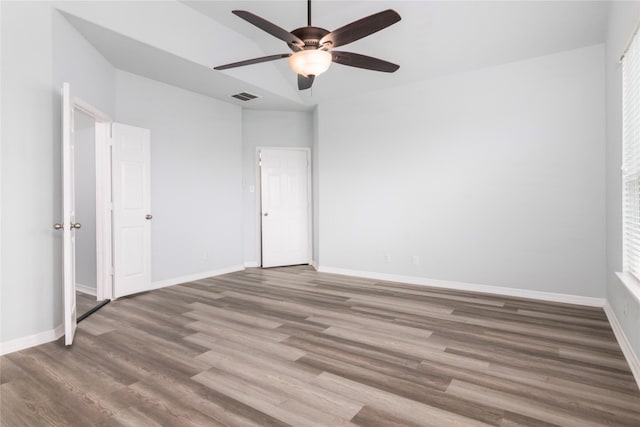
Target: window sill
631 283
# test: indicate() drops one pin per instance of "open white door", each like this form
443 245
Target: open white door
131 209
285 199
68 225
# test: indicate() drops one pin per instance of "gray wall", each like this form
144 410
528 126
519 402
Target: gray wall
196 175
266 129
493 177
622 18
430 178
29 179
39 51
85 191
196 164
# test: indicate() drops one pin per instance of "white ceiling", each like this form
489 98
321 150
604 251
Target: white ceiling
434 38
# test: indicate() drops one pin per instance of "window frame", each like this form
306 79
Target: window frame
631 159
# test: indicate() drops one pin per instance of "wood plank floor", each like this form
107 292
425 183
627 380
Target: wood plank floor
84 302
291 346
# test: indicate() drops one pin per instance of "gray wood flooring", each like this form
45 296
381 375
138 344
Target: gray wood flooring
84 302
291 346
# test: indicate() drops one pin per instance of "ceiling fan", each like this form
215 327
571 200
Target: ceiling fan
311 45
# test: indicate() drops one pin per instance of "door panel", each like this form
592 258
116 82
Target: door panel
133 260
68 217
131 205
285 207
132 194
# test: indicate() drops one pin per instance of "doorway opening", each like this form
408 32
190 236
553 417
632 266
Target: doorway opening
92 208
122 249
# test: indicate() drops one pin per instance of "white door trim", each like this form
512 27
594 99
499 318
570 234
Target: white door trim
258 216
104 283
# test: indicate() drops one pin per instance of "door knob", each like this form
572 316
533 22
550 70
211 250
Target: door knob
149 216
266 214
58 226
77 225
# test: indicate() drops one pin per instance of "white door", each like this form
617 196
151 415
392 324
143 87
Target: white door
131 210
284 179
68 225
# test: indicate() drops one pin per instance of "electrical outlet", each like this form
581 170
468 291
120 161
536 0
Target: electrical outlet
416 260
387 258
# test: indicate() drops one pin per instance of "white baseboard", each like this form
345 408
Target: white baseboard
499 290
251 264
86 289
198 276
31 340
627 350
53 334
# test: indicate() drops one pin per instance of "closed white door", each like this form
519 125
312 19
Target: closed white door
131 209
68 224
285 200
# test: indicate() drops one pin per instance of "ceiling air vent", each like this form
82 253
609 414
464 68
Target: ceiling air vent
244 96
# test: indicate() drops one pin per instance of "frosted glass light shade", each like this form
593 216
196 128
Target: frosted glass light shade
310 62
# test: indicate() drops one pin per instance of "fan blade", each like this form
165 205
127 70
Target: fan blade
361 28
363 61
305 82
270 28
253 61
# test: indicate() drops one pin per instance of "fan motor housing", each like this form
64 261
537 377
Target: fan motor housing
310 36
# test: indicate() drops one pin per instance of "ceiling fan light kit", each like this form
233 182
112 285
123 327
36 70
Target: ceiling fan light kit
311 45
310 62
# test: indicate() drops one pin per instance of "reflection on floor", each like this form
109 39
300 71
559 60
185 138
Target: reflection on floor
84 302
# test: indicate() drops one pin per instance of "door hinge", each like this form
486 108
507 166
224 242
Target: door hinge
110 142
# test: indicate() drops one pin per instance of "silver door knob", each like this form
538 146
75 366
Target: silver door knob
58 226
266 214
149 216
76 225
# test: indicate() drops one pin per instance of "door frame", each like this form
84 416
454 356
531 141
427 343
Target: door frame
258 215
103 143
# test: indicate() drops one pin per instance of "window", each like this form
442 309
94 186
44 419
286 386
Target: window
631 157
